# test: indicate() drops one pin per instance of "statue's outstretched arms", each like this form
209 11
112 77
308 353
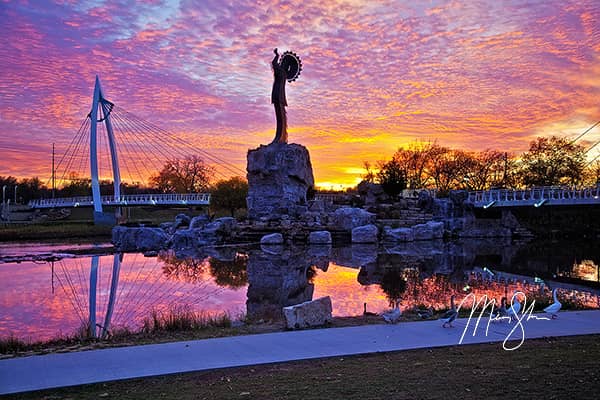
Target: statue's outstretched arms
275 61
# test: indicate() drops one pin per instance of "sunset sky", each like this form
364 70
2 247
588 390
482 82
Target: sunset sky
377 74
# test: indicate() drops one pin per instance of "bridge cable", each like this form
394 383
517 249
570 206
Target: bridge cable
76 140
166 152
75 153
119 125
155 129
585 132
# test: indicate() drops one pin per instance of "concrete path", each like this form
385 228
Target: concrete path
66 369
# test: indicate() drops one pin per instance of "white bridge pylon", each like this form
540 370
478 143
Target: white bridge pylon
103 107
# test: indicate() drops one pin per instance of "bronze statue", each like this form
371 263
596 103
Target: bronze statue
287 68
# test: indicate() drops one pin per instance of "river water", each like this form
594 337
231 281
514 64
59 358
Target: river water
41 300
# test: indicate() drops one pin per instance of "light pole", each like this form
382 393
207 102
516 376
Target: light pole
3 194
16 194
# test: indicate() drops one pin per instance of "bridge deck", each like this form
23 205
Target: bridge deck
536 197
189 199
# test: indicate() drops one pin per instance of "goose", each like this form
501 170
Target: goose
367 313
393 316
450 315
501 312
515 307
553 308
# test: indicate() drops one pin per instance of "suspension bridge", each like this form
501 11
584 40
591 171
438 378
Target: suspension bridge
116 150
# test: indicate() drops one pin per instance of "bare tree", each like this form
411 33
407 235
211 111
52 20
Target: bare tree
416 160
369 175
184 175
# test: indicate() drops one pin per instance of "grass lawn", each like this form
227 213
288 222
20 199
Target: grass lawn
54 230
554 368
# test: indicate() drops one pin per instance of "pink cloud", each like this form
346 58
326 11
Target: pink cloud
376 76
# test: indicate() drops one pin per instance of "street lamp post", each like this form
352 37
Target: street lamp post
16 194
3 194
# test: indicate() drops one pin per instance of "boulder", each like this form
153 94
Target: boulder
182 220
227 225
319 237
187 239
270 239
307 314
279 178
398 235
430 230
348 218
139 238
166 226
365 234
218 230
372 193
199 221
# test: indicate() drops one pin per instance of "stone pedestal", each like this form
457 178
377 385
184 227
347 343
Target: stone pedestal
279 177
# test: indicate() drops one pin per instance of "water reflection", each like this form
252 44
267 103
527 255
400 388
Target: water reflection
108 292
277 277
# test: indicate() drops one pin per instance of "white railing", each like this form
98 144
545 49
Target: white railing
125 200
536 197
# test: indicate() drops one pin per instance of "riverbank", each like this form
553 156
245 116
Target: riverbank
54 231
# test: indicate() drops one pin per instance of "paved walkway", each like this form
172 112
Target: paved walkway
66 369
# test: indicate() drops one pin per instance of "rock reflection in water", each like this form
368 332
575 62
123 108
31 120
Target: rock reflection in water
278 277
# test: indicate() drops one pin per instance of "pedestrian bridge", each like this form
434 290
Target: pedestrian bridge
189 199
536 197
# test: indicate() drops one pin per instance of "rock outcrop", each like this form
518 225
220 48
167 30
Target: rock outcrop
139 238
348 218
279 178
365 234
429 231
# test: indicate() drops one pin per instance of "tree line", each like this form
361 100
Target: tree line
550 161
186 175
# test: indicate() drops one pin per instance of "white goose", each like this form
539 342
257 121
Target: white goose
450 315
515 307
393 316
553 308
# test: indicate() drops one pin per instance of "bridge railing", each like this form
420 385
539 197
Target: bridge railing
535 196
125 200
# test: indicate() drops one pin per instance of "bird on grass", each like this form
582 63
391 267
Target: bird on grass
393 316
553 308
450 315
367 313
